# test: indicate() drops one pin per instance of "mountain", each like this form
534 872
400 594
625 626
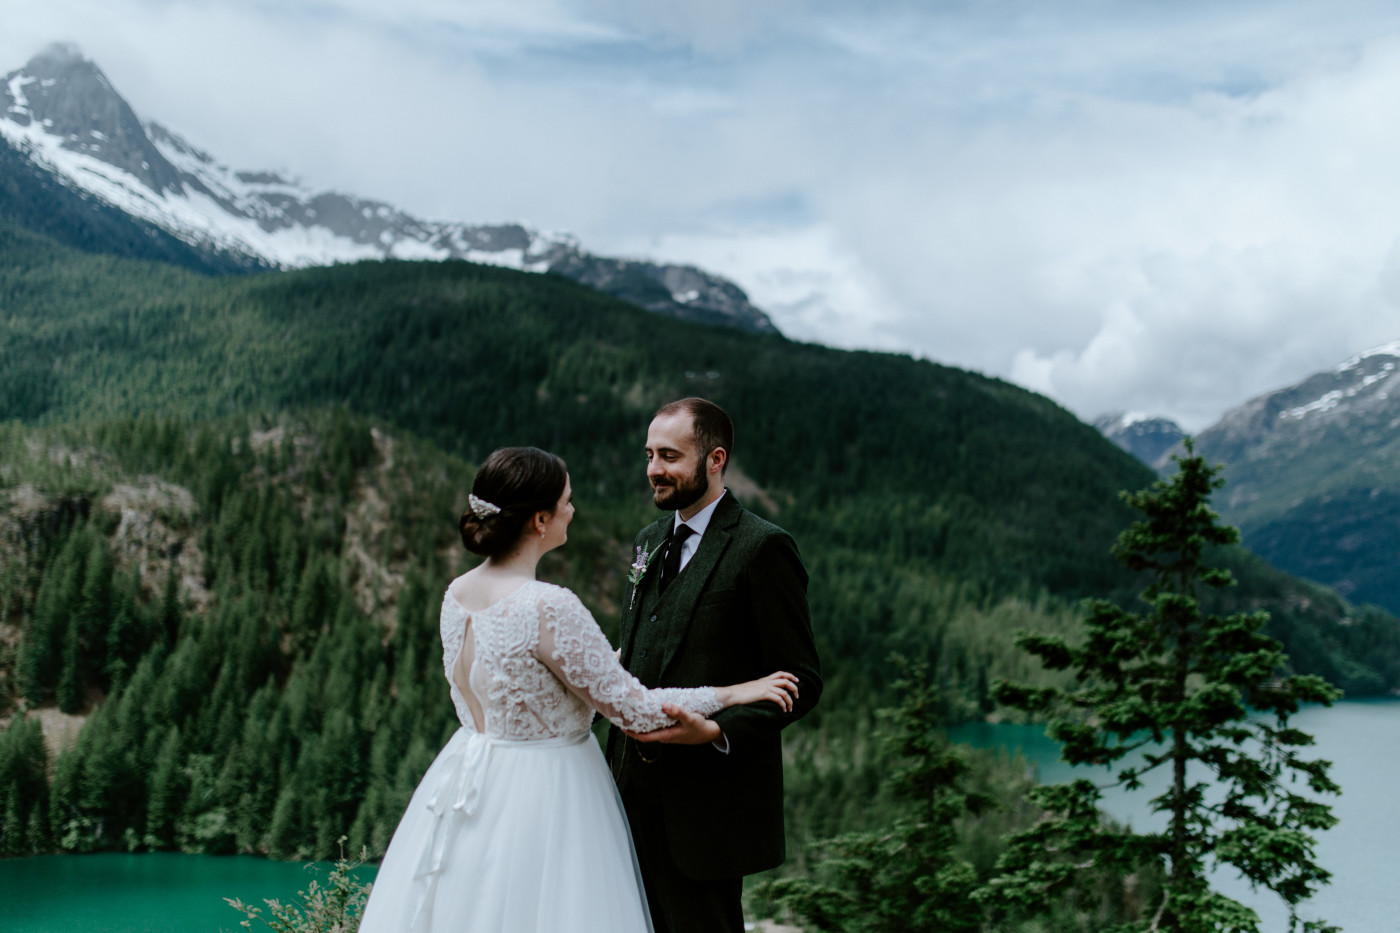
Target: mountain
62 116
1151 439
227 513
1314 475
38 200
901 465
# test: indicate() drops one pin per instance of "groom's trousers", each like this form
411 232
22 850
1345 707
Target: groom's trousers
678 903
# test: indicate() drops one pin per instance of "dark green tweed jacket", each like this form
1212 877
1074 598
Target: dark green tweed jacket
737 611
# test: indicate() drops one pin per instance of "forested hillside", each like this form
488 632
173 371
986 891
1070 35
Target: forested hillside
228 514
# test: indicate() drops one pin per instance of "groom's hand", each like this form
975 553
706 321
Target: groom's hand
689 729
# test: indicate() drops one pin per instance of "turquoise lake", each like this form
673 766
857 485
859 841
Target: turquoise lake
168 893
1362 740
152 893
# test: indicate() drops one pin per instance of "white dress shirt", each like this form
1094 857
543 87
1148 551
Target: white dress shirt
697 523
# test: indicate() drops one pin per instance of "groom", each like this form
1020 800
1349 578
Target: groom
722 599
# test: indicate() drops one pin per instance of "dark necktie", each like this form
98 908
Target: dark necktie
671 564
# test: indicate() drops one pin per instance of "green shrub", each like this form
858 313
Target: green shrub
335 907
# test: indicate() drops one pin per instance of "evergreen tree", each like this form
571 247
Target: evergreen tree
906 878
1200 695
286 831
94 613
48 650
128 634
70 685
168 786
24 788
315 602
169 613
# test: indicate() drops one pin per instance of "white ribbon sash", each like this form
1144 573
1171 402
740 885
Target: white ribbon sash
456 800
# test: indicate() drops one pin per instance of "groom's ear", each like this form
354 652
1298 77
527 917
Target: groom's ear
718 459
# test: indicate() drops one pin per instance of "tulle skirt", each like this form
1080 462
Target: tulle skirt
511 836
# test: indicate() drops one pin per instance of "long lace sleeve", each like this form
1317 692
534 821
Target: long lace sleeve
576 650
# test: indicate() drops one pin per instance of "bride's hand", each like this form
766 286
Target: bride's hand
779 687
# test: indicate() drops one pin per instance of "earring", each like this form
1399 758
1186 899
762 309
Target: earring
541 532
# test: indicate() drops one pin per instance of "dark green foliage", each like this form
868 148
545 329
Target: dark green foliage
65 649
938 511
907 877
24 791
1195 693
876 462
234 708
475 357
1347 539
168 787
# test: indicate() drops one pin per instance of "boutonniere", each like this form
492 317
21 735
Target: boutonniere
639 569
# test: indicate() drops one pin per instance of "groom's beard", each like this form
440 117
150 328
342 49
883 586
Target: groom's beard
684 493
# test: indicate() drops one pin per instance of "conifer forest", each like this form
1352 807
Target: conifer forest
228 516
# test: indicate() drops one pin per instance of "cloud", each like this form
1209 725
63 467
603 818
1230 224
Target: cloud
1176 254
711 28
814 288
1164 207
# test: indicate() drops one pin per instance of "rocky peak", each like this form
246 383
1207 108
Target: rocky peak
61 114
162 136
1337 427
69 97
1360 395
1149 438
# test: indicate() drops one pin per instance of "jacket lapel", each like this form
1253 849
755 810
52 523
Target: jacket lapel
681 596
655 535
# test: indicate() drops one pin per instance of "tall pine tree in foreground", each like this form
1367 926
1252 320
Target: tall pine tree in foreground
1197 694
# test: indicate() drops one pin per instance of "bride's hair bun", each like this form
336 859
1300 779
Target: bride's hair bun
520 481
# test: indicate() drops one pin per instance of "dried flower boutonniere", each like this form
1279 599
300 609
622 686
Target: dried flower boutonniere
639 570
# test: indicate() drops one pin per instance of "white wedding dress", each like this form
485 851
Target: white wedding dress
517 825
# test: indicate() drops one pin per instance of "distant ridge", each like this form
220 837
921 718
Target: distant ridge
1150 438
1314 475
61 115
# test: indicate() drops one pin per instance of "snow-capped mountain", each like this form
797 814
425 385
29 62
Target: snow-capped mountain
1316 433
1313 474
62 114
1149 438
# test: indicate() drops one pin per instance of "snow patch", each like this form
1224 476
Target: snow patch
250 217
1331 400
1328 402
17 84
509 258
1130 418
263 214
1385 349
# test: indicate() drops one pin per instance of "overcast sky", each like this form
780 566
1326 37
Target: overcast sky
1167 207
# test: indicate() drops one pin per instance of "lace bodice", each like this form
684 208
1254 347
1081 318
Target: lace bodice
541 666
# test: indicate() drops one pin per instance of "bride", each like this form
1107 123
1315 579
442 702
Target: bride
517 825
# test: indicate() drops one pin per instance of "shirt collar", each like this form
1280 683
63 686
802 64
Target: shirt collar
701 519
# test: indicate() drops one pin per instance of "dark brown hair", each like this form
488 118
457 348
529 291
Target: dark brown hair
520 481
712 427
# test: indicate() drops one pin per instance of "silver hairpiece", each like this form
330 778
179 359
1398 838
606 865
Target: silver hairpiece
480 507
